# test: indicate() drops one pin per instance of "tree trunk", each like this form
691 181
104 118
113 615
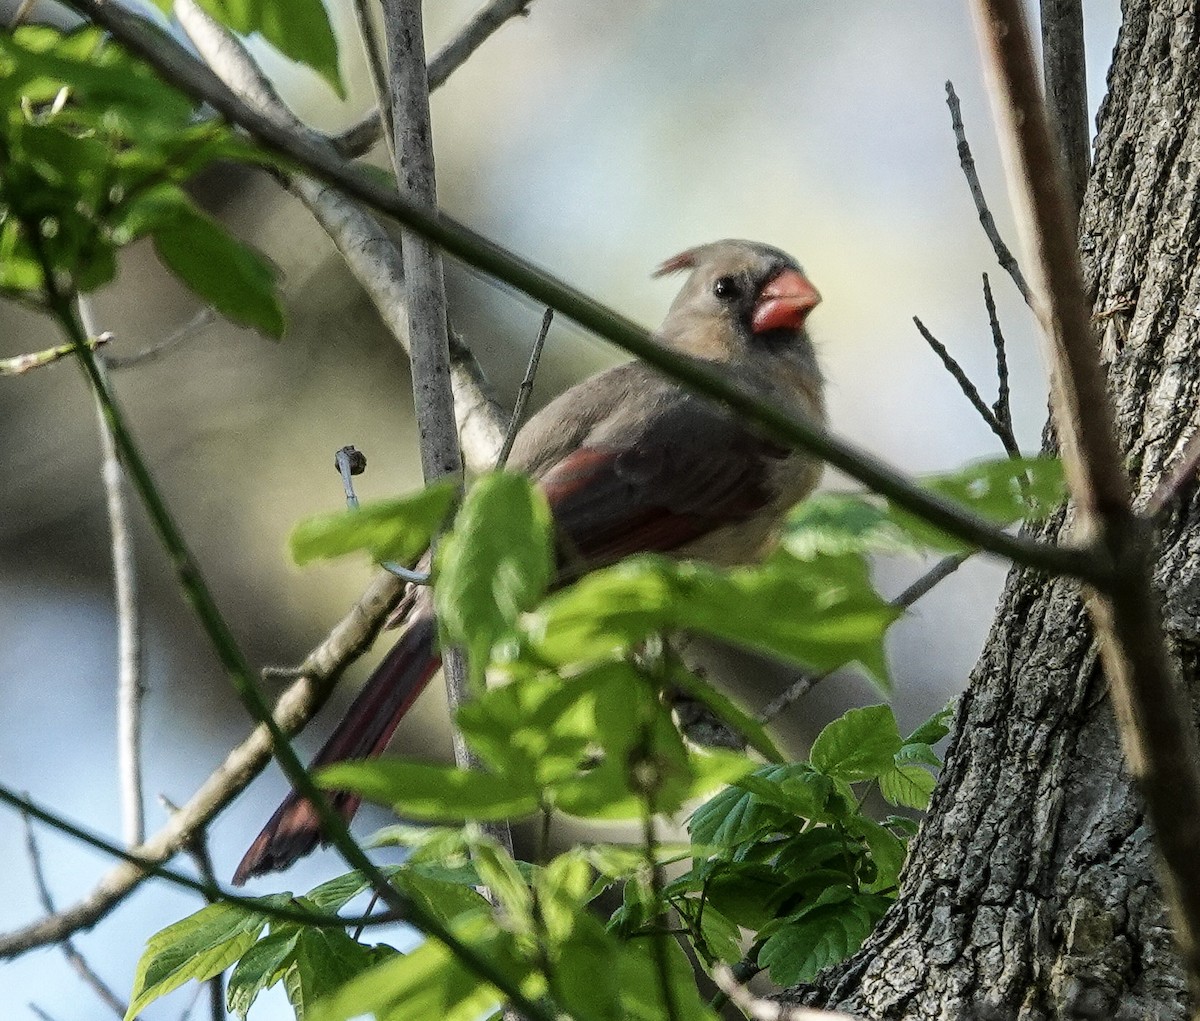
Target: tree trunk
1031 890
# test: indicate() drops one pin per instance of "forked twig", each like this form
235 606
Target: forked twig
1005 257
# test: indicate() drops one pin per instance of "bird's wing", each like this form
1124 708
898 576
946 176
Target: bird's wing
657 479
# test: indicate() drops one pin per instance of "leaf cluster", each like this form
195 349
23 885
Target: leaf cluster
787 868
95 151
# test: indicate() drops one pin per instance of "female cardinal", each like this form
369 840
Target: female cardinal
629 462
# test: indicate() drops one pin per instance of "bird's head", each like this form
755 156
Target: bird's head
739 296
745 304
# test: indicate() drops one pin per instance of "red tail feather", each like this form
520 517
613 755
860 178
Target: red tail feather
372 719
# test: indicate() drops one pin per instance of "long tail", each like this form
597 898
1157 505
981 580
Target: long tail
368 726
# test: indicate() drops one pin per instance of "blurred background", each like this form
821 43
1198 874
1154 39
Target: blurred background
595 139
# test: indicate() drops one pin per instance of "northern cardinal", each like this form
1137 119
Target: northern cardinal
629 462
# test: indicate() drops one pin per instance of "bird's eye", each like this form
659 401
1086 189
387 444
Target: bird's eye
726 289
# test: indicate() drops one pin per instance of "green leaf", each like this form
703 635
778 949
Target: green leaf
198 947
495 563
933 729
428 982
729 713
887 851
299 29
638 978
399 530
821 614
431 792
260 968
860 745
908 785
823 937
835 524
229 275
322 961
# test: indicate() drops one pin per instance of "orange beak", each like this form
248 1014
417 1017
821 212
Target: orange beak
784 302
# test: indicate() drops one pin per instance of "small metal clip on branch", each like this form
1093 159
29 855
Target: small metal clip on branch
351 461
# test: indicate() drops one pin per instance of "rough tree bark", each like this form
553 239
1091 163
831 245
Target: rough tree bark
1031 892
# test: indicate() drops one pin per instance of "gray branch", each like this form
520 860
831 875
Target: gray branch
1065 70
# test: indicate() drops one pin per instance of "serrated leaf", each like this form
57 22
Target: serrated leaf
429 982
860 745
494 564
834 524
260 968
321 962
226 273
933 729
431 792
887 852
822 614
798 951
299 29
907 785
197 947
397 530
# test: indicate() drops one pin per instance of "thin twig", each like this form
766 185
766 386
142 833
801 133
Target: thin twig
374 51
1005 257
148 867
659 941
525 391
70 951
203 317
43 1015
768 1010
130 687
1003 405
795 691
180 68
1065 69
18 365
1172 484
351 462
1153 714
970 391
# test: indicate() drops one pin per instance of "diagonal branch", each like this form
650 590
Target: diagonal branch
183 70
1154 718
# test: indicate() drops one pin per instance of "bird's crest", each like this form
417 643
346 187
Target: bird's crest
677 263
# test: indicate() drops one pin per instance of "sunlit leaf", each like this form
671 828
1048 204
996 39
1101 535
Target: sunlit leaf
397 530
860 745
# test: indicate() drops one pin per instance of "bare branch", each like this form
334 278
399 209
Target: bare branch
970 391
1003 405
427 318
767 1010
525 391
1153 715
1065 70
70 951
321 668
1003 256
205 316
374 53
129 620
18 365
